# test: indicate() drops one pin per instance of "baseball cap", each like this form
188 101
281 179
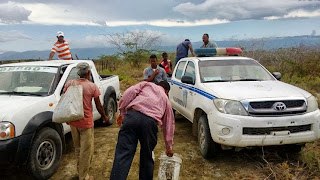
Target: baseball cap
60 33
83 68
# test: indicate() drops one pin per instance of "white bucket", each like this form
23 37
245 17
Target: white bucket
169 168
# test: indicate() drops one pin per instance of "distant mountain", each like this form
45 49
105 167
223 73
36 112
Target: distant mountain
272 43
250 44
82 53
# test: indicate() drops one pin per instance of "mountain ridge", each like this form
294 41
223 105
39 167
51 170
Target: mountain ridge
250 44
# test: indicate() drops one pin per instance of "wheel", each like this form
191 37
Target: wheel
207 146
110 110
45 154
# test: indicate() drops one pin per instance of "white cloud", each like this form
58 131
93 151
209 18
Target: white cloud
11 13
234 10
56 14
303 13
166 13
168 23
300 13
6 36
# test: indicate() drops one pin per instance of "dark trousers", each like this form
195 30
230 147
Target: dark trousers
136 126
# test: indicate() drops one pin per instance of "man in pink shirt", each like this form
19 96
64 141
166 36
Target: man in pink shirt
82 130
142 107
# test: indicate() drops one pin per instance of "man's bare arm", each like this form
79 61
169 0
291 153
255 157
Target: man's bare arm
100 109
191 50
51 55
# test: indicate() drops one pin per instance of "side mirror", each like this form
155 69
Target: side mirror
277 75
187 80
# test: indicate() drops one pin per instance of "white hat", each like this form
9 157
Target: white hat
60 33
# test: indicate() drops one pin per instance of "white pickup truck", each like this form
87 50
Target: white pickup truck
234 101
29 92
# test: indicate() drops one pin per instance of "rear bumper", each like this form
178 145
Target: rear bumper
264 131
15 151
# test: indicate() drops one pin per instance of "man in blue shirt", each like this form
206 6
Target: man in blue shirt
182 50
154 73
207 43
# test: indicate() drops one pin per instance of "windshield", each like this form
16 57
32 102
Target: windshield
232 70
27 80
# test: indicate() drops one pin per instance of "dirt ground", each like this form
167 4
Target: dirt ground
280 162
246 164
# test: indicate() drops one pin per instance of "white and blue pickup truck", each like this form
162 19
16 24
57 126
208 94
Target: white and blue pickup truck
29 92
234 101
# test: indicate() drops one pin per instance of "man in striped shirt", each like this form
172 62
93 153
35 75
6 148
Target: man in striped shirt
61 47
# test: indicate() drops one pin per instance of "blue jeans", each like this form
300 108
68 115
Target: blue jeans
136 126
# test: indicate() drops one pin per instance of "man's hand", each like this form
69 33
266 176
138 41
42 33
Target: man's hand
169 153
105 119
119 120
156 72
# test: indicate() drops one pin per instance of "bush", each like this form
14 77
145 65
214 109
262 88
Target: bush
299 66
108 62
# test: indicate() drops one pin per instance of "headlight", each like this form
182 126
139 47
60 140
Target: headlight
6 130
312 104
230 107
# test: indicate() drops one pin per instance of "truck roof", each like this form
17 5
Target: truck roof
54 63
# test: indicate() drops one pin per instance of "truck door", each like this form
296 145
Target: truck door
188 92
175 94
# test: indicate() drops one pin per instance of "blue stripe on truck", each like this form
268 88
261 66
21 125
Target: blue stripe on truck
199 91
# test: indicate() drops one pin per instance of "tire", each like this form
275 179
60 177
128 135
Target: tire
45 154
110 110
207 147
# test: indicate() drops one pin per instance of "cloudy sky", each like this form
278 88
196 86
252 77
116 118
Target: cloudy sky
32 24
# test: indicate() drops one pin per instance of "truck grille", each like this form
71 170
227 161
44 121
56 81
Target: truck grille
277 107
269 104
267 131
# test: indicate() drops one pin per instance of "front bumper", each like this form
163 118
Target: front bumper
15 151
280 129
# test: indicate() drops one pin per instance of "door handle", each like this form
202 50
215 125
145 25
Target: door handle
180 87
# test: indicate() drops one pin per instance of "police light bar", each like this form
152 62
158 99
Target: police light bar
207 52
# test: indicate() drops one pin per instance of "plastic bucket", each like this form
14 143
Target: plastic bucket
169 168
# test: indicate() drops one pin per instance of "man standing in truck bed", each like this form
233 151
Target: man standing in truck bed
61 47
207 43
183 49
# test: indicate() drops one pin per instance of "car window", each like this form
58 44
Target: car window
190 70
232 70
179 70
74 75
27 79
